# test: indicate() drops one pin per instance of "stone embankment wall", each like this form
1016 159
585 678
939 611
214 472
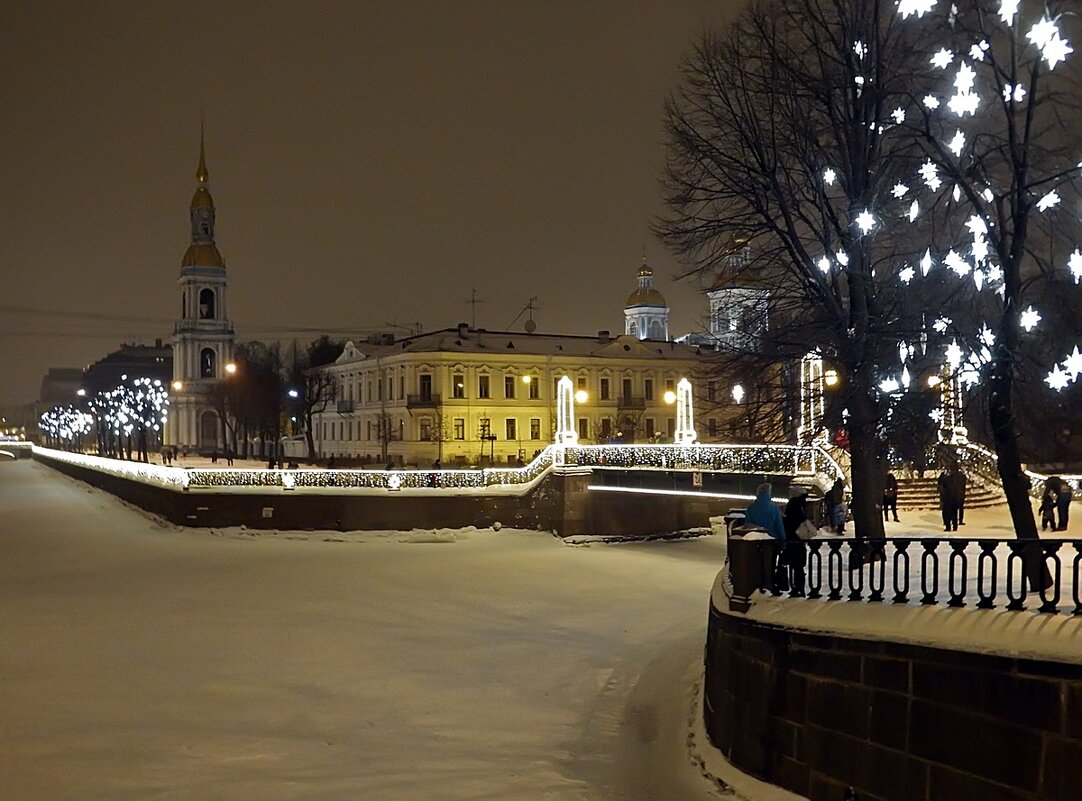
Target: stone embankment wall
817 714
559 502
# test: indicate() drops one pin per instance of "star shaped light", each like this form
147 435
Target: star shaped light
957 143
1029 319
823 264
926 263
1008 9
899 115
1055 51
1058 378
1016 92
918 7
829 176
899 190
1048 201
907 275
930 173
865 221
942 59
931 101
954 354
1073 364
1075 265
914 210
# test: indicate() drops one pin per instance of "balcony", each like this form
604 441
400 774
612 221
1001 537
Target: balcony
346 405
423 401
630 402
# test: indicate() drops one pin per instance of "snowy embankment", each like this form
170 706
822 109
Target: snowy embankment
148 661
1024 634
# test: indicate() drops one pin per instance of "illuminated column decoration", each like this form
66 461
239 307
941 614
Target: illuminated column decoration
565 413
685 424
952 430
811 399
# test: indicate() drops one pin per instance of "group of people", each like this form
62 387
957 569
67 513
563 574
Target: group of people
792 559
1056 498
952 498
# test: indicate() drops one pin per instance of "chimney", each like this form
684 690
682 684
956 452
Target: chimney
463 329
603 337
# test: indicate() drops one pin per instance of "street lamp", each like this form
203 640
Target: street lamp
582 396
178 386
669 397
830 377
231 368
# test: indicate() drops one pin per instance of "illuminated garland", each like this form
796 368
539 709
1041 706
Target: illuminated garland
171 477
982 461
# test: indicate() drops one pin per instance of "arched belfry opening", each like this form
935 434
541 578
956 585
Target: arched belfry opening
206 304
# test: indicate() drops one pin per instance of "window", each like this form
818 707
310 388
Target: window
584 427
206 304
651 427
458 386
670 426
379 388
460 428
582 382
712 391
207 363
368 392
633 329
509 386
712 426
484 428
511 427
670 385
604 389
368 431
606 429
426 386
535 388
401 387
648 389
426 429
626 388
482 386
535 428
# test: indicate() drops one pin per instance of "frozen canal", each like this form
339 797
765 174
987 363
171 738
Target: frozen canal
151 662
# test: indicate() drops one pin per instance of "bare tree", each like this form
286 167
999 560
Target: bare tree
316 389
779 175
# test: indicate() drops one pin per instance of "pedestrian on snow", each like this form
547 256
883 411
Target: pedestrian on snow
436 465
1063 493
214 456
834 502
959 480
1048 508
229 456
763 513
795 556
890 497
330 463
948 502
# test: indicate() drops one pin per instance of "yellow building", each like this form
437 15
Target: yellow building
464 395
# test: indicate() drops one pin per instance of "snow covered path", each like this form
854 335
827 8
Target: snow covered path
145 661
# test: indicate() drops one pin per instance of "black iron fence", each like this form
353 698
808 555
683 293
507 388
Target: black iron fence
954 571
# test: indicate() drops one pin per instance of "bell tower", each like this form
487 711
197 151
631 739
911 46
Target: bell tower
203 337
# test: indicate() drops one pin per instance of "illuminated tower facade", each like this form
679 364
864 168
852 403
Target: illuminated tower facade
646 314
203 337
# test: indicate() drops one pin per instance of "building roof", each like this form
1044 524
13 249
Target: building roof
202 255
508 344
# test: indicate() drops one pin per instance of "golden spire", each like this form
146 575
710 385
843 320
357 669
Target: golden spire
202 174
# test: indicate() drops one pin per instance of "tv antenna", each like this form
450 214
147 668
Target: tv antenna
530 307
473 301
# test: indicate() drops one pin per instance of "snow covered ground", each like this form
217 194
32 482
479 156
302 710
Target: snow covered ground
144 661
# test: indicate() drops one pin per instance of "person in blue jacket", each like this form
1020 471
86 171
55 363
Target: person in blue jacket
763 513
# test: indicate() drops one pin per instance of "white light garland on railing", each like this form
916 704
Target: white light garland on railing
751 459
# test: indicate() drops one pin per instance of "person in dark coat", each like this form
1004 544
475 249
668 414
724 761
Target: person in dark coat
1048 508
795 555
834 506
958 480
948 504
1063 501
890 497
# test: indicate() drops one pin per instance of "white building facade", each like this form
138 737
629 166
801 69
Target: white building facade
466 396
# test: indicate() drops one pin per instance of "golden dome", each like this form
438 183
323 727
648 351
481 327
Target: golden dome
645 294
202 255
202 199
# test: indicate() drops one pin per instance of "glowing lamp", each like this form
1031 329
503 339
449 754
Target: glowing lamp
178 386
830 377
934 381
80 392
581 396
231 368
669 396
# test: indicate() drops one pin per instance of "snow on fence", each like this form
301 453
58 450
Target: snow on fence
955 571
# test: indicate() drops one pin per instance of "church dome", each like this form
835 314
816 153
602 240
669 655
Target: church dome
202 199
202 255
645 294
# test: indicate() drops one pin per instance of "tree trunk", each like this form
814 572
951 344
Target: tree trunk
1015 482
865 469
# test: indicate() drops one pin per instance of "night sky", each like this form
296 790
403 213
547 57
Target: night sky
370 164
